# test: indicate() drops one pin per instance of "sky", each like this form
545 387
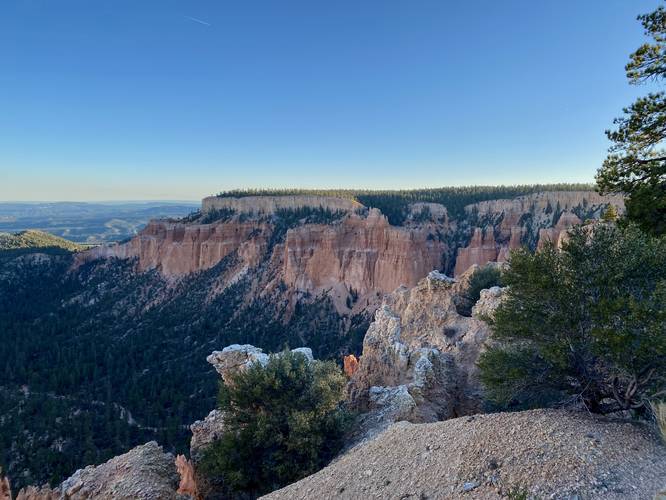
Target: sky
166 99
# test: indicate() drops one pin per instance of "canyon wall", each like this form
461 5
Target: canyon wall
366 255
358 257
361 255
177 249
504 225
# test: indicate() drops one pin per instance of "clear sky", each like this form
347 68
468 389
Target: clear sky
165 99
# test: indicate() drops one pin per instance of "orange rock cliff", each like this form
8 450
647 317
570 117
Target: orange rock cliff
357 257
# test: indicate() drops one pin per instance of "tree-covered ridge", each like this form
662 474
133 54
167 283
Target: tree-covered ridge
117 358
394 203
30 240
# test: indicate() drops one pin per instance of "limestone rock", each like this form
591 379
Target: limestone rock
305 351
205 431
177 249
419 343
364 254
488 301
39 493
435 212
145 473
235 358
482 248
532 220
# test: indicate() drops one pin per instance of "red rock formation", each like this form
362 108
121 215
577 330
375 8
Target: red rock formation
481 249
541 203
188 485
553 234
364 254
5 490
515 242
508 222
176 249
350 365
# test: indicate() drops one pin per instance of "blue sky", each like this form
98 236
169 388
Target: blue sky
127 99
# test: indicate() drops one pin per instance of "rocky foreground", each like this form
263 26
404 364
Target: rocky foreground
531 454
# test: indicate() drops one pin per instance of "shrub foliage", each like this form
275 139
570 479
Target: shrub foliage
283 421
484 277
586 324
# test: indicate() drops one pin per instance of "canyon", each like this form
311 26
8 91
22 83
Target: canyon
140 317
417 367
357 253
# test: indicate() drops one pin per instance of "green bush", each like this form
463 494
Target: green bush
283 421
482 278
583 325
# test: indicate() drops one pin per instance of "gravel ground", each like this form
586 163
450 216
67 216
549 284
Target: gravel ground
531 454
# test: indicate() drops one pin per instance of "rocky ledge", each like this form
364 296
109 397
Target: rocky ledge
143 473
530 454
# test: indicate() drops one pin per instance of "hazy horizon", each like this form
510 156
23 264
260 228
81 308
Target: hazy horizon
323 188
165 101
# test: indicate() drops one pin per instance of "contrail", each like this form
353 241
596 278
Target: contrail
197 20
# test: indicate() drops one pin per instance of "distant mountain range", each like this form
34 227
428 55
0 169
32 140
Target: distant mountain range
90 223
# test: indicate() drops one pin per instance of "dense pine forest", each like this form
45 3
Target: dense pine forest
394 203
102 359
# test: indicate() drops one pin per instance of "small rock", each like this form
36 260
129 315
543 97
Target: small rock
471 485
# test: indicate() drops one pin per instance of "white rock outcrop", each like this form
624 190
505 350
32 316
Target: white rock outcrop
419 356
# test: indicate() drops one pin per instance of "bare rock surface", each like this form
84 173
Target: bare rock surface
145 473
489 300
539 453
419 356
205 431
531 220
235 358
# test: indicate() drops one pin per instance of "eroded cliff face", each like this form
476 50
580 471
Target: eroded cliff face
177 249
145 473
357 256
365 255
504 225
419 355
354 260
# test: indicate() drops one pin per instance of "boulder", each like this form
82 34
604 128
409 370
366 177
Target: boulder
488 301
236 357
145 473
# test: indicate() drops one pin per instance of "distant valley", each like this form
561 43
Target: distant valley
90 223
